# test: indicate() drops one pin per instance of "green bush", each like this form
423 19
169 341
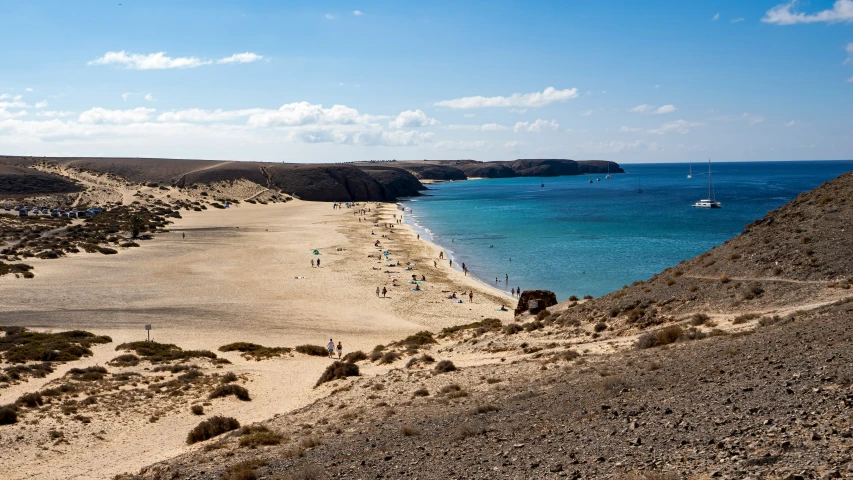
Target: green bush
314 350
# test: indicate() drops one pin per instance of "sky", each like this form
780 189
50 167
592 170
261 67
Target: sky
339 81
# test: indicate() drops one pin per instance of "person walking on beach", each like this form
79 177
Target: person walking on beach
441 255
384 291
312 263
340 349
183 236
318 263
377 292
471 296
512 291
464 270
435 264
451 263
331 347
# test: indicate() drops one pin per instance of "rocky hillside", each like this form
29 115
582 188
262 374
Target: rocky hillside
16 181
538 168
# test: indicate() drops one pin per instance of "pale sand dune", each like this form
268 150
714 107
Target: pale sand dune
224 284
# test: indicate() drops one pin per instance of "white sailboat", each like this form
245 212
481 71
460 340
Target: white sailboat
690 174
709 202
608 177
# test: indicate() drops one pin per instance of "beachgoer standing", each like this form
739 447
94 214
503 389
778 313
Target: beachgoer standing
331 347
384 291
464 270
318 263
518 291
340 349
183 235
451 262
507 279
377 292
512 291
312 263
471 296
435 264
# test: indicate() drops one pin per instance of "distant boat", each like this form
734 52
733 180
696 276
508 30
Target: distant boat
608 177
639 187
709 202
542 186
590 180
690 174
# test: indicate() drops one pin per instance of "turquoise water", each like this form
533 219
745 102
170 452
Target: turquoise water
577 238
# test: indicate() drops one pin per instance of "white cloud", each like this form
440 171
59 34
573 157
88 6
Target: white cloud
715 17
469 115
753 118
329 16
304 113
101 115
197 115
536 126
488 127
6 115
534 99
28 89
737 20
665 109
125 95
151 61
849 49
784 14
850 80
5 96
41 104
357 13
55 113
587 113
246 57
409 119
625 129
791 123
650 109
513 144
149 98
14 104
677 126
518 110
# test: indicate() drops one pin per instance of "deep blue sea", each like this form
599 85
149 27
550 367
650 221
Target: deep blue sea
577 238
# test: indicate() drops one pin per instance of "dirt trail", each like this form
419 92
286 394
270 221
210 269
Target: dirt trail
762 279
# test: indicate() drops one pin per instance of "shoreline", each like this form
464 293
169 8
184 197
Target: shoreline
241 275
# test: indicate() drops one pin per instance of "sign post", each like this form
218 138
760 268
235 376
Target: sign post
148 331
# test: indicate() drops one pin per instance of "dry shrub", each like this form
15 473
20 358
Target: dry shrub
126 360
355 356
744 318
724 278
30 400
212 427
310 442
255 351
8 414
257 435
229 389
698 319
444 366
197 410
389 357
338 370
486 408
244 470
313 350
409 431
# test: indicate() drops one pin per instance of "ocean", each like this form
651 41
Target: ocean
577 238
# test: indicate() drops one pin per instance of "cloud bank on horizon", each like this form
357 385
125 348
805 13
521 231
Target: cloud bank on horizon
296 84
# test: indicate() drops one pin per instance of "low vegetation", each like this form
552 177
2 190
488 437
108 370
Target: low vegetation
355 356
230 389
19 345
253 351
258 435
338 370
444 366
479 328
212 427
314 350
163 352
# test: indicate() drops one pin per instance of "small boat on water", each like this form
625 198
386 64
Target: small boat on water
639 187
711 201
608 177
690 174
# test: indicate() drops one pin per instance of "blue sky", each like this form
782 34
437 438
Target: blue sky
322 81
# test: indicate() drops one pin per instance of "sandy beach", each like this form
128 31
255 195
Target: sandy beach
240 274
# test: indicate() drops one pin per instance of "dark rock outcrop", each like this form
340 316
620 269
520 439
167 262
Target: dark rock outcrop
487 170
429 171
543 298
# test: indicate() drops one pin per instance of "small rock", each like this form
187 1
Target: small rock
556 468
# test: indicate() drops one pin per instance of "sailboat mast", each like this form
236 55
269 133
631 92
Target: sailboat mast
709 180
